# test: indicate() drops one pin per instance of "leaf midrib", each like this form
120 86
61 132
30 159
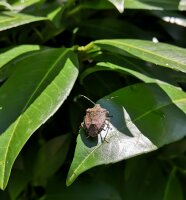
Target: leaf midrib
158 108
144 50
146 113
157 1
74 173
29 100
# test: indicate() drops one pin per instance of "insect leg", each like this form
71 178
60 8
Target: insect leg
101 139
107 128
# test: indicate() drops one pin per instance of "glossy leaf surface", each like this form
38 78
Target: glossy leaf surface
9 54
138 4
10 20
158 53
144 117
156 5
119 4
33 93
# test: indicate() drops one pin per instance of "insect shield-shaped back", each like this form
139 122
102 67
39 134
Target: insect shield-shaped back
95 120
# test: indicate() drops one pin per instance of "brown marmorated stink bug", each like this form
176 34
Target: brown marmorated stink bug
95 120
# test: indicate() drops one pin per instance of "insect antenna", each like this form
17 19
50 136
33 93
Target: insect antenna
84 97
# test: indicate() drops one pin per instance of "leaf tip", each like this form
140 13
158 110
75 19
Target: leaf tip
118 4
68 183
70 179
120 8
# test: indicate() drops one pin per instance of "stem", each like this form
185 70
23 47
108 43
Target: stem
87 47
74 11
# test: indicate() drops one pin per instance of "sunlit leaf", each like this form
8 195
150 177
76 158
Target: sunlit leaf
144 118
137 4
33 93
11 53
119 4
171 17
10 19
158 53
20 5
156 5
5 5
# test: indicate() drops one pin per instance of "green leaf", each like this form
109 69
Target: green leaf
56 149
33 93
137 4
156 5
20 5
145 74
114 28
83 189
119 4
53 11
173 189
135 67
158 53
148 169
53 26
10 20
129 66
55 15
96 4
5 5
145 117
21 177
11 53
171 17
112 67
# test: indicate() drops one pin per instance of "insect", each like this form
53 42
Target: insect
95 120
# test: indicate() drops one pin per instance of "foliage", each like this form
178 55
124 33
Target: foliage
128 56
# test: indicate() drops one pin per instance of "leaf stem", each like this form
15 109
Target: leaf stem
86 48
